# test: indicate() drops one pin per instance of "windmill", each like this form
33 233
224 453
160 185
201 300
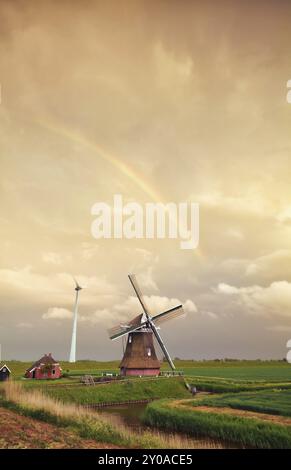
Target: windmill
75 321
140 357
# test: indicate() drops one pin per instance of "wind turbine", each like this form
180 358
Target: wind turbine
75 321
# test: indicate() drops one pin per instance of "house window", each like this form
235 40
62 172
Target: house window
149 352
129 339
53 371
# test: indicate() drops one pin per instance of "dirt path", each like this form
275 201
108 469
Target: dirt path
20 432
284 420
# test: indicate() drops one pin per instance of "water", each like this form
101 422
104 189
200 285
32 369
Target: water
130 416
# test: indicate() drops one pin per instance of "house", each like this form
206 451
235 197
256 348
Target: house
45 368
4 373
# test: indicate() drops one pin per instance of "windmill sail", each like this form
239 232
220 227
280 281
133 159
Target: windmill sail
139 294
174 312
121 330
163 347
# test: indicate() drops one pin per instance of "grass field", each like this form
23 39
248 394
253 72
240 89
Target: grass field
276 402
250 372
251 400
83 423
256 371
241 430
18 368
134 389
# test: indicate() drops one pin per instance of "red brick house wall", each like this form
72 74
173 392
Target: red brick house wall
39 373
45 368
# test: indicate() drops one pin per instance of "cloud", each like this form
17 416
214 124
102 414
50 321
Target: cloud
234 233
145 264
227 289
280 328
147 280
285 215
275 264
150 111
131 307
171 73
53 258
251 202
57 313
273 299
24 325
211 315
89 250
25 283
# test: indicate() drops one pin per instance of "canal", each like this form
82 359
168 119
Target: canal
130 415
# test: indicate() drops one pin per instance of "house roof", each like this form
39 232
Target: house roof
46 359
4 365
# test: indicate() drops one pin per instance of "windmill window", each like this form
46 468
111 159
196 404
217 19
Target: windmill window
149 352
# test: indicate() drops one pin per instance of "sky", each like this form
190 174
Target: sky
158 101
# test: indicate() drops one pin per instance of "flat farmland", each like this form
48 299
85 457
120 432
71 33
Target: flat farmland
256 371
250 372
275 402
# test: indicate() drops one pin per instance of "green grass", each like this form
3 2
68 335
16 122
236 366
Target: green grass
246 432
134 389
237 370
225 386
276 402
18 368
277 371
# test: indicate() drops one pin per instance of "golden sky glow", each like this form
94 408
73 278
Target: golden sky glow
157 101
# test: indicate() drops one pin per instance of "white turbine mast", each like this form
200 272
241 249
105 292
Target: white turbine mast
75 322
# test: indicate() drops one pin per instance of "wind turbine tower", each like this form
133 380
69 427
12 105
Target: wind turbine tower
75 322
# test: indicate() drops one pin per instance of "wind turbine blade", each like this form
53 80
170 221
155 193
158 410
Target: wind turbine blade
76 282
169 314
78 285
138 292
163 347
118 332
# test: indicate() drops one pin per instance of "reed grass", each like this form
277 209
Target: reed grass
90 424
246 432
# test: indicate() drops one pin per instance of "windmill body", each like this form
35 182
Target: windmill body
140 356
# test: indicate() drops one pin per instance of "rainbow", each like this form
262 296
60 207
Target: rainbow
125 169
